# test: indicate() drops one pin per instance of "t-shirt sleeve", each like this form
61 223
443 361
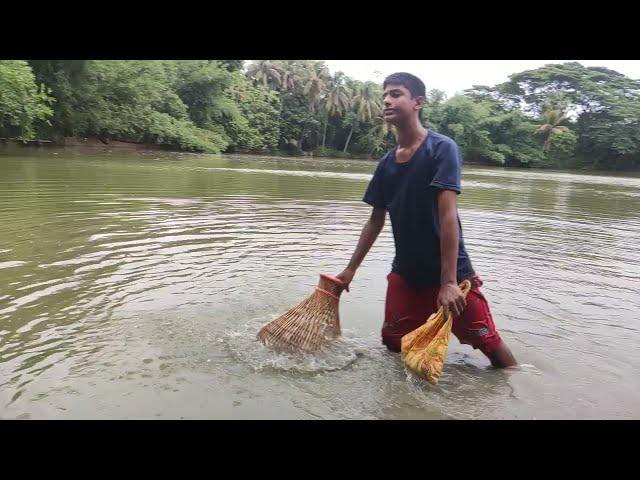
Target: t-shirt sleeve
374 195
448 168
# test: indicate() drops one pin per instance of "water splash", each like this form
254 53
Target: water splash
243 344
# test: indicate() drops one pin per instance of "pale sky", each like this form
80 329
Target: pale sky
452 76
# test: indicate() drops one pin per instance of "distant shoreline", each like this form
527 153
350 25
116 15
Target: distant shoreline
94 145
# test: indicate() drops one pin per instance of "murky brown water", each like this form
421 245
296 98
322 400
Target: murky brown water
132 286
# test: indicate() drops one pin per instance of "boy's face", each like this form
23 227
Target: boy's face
399 107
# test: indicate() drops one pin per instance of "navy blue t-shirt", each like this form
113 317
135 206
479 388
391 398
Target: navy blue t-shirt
409 192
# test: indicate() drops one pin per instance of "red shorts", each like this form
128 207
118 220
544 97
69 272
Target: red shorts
407 308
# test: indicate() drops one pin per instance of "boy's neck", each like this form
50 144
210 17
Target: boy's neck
410 134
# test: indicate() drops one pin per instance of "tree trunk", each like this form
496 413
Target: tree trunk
300 142
324 133
346 145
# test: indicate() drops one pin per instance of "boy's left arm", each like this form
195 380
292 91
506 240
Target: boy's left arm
450 295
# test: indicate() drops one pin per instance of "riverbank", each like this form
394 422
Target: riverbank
13 146
79 142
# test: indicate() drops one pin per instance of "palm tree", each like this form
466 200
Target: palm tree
289 79
552 120
337 101
366 107
288 76
367 102
264 72
315 84
380 132
313 78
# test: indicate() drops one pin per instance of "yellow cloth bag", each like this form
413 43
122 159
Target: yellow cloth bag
424 349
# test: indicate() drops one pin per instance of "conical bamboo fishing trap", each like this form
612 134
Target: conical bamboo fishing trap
424 349
311 324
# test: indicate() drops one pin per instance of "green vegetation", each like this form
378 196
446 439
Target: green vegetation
560 115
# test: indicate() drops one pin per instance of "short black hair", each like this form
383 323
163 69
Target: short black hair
410 82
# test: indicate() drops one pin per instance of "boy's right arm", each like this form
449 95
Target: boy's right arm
368 236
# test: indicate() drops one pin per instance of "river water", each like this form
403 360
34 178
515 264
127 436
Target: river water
132 286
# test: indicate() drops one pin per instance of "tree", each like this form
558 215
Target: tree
552 120
264 72
513 135
201 85
376 139
467 122
432 110
367 101
366 106
561 149
136 101
22 103
315 84
295 122
556 115
67 81
303 83
337 101
605 103
257 127
232 65
288 75
289 79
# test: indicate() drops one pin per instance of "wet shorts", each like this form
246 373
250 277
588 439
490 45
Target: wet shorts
407 308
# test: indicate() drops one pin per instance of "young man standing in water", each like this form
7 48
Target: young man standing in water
417 183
